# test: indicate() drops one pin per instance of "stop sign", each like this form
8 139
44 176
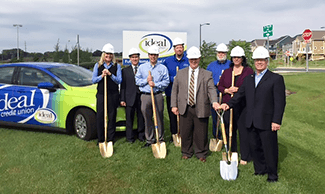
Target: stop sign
307 35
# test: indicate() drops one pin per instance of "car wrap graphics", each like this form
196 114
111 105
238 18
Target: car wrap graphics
26 105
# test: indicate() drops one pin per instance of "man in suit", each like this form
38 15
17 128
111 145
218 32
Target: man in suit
179 60
192 93
130 98
264 92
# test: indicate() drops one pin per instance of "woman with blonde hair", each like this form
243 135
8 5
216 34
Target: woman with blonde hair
107 66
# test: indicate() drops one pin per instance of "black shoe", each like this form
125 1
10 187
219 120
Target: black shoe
259 174
171 140
130 141
146 145
272 180
141 140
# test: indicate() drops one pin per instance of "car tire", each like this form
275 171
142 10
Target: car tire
84 124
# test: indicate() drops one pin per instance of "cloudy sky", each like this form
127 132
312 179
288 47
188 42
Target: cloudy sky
99 22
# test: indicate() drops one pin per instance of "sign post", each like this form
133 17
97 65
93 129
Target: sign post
287 56
267 32
307 34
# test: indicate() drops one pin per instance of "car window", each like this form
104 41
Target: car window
6 75
73 75
32 77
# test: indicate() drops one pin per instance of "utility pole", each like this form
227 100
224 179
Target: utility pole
18 25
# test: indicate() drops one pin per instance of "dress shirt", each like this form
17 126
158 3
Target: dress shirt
196 74
259 77
117 79
160 77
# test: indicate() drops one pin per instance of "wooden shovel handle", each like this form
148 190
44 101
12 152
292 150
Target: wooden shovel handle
154 111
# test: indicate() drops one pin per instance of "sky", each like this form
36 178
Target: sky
100 22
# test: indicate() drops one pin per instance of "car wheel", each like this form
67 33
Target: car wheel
85 124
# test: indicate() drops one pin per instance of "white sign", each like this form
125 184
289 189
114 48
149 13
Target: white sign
142 40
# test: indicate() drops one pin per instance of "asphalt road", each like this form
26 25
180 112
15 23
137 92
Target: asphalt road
302 69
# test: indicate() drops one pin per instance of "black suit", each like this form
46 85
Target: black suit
265 105
130 94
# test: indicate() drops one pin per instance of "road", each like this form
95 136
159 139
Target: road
297 69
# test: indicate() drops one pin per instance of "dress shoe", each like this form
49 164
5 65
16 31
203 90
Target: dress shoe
185 157
203 160
259 174
130 141
146 145
272 180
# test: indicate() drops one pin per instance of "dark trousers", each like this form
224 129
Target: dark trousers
264 147
112 103
130 111
172 118
226 118
245 153
194 133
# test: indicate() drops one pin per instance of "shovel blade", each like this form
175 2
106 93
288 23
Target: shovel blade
159 150
228 171
177 140
106 149
215 145
234 157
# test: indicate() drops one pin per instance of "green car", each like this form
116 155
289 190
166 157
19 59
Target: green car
50 96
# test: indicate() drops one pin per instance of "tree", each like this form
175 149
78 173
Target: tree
57 54
66 58
247 48
208 54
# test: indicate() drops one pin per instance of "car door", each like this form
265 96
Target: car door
32 103
6 91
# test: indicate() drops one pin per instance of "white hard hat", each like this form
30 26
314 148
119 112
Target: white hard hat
153 49
237 51
222 48
193 53
133 51
178 41
108 48
260 53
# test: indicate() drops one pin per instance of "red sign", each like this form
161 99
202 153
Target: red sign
306 35
288 53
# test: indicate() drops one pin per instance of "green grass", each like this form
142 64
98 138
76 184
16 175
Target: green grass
46 162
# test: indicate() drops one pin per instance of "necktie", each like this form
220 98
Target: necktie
135 70
191 90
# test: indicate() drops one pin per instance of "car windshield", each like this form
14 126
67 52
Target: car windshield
73 75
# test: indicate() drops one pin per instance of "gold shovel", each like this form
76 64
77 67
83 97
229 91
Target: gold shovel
177 137
215 143
158 149
106 149
232 156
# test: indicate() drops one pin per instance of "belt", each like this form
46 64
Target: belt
148 93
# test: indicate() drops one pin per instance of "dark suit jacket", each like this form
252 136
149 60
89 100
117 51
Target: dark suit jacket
206 92
128 87
265 103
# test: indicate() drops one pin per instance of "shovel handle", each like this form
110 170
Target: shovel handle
154 112
105 108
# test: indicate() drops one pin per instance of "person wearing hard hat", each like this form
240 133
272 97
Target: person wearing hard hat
179 60
239 69
130 98
107 66
217 67
264 93
193 91
158 79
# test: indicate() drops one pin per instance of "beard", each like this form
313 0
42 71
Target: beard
222 59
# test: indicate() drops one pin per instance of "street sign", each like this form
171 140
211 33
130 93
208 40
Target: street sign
306 35
287 53
268 30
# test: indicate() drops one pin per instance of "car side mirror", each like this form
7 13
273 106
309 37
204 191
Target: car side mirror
46 85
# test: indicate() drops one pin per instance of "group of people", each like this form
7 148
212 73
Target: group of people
257 99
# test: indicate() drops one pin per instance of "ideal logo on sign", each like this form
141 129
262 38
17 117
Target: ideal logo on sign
164 43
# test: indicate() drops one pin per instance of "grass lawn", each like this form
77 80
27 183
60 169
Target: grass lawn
46 162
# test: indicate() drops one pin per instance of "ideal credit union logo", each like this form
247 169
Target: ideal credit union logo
164 43
45 115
